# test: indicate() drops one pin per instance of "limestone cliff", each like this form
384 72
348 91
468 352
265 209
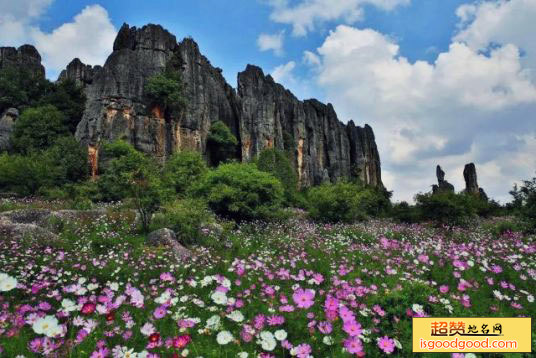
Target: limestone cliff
26 57
260 113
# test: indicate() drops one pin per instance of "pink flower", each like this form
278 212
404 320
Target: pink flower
353 345
443 288
303 350
167 276
496 269
100 353
88 308
303 298
325 327
386 344
160 312
352 328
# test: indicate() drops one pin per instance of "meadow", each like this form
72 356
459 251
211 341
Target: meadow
283 289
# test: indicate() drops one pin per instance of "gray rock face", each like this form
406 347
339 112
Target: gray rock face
442 185
7 121
471 183
261 114
25 57
80 73
167 238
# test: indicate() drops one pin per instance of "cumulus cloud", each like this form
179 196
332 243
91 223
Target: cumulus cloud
308 14
474 103
283 73
89 36
271 42
17 19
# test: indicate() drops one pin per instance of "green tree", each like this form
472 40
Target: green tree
145 190
336 202
445 208
25 175
165 90
38 129
241 192
221 143
68 98
70 159
277 163
19 89
524 202
183 169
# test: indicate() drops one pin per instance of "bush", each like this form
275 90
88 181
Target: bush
38 129
69 99
403 212
277 163
342 201
166 91
25 175
122 160
70 159
221 143
182 170
20 89
524 204
241 192
445 208
186 217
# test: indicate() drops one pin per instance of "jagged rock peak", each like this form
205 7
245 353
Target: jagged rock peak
79 72
26 56
442 184
152 37
471 183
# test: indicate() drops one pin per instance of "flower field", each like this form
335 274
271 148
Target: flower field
270 290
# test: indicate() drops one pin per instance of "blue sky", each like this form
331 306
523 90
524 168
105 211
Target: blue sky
441 82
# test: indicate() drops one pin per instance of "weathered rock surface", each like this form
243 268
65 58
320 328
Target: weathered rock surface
442 185
167 238
25 57
261 113
18 231
78 72
471 183
7 121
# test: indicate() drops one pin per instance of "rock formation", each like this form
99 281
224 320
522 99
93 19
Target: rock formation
442 185
7 121
260 113
471 183
78 72
25 57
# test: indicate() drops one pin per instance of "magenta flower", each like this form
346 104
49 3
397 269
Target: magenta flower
303 298
443 288
352 328
353 345
100 353
160 312
386 344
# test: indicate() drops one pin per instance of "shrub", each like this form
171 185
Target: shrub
69 99
182 170
277 163
524 203
20 89
186 217
70 159
122 160
341 201
38 129
166 91
241 192
445 208
221 143
403 212
145 190
25 175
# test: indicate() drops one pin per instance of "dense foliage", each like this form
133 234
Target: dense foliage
165 90
241 192
221 143
20 89
345 201
524 203
182 170
277 163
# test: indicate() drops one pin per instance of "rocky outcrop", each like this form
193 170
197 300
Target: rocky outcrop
261 113
442 185
25 57
7 121
78 72
471 183
168 239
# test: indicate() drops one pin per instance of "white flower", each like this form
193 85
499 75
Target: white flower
280 335
397 343
224 337
530 298
213 322
417 308
328 340
236 316
243 355
69 305
48 325
7 283
470 355
268 343
147 329
185 353
219 298
265 335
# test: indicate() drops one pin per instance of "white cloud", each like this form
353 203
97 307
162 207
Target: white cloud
283 73
464 107
17 19
274 42
89 36
308 14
